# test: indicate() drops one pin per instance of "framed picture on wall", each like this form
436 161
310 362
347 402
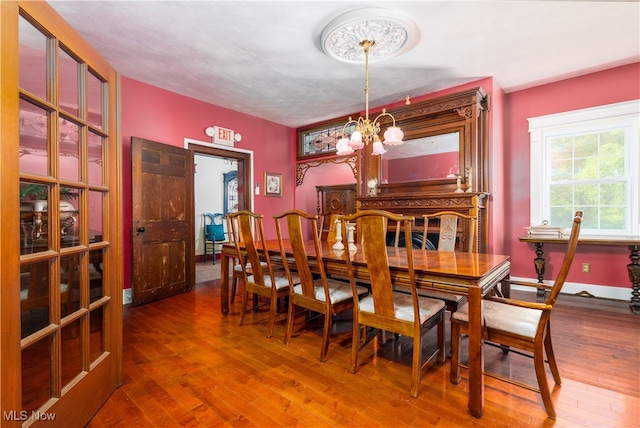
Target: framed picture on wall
272 184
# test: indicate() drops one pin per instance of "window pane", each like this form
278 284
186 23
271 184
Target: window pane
69 219
34 132
96 286
95 215
95 159
68 82
33 59
69 284
613 194
561 195
96 339
586 145
33 217
69 150
36 374
94 93
612 217
71 352
586 195
561 215
34 297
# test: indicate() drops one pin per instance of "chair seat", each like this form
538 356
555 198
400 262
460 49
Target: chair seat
338 291
500 316
403 305
281 280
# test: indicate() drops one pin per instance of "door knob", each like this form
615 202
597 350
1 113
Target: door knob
139 230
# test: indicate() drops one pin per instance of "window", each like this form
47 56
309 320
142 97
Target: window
587 160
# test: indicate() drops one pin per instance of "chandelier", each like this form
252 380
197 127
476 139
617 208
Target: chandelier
366 131
382 33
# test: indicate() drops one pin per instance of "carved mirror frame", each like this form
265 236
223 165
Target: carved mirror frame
464 111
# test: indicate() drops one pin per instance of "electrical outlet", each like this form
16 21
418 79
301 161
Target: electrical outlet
586 267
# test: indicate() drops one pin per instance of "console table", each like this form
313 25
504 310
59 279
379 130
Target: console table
633 267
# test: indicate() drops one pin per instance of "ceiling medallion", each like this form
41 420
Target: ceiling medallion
392 32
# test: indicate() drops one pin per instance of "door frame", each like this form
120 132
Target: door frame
241 155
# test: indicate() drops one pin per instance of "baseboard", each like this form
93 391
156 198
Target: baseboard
126 296
590 290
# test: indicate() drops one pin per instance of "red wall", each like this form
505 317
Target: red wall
608 264
166 117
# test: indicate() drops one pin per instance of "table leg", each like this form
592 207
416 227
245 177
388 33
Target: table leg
539 263
634 277
476 358
224 283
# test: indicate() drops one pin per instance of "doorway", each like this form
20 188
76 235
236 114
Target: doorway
231 182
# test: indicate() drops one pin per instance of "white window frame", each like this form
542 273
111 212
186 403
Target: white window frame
624 114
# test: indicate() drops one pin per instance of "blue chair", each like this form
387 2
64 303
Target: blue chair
214 234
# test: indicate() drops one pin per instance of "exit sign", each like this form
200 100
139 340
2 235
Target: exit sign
223 136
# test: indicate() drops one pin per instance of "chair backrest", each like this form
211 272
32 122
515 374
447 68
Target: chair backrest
250 250
373 227
301 255
214 229
456 231
568 259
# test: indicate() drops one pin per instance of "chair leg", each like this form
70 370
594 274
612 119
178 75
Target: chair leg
243 308
551 356
442 353
455 353
355 343
289 329
541 375
234 286
273 306
324 349
415 365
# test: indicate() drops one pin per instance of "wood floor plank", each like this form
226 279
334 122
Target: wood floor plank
185 364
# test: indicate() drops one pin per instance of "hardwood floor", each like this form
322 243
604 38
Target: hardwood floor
187 365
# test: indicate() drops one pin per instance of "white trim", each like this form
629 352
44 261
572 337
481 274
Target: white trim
570 288
584 115
188 141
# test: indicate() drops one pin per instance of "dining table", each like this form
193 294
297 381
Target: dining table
470 274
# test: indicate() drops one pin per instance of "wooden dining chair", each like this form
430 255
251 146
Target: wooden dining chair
521 325
456 232
260 280
387 310
315 292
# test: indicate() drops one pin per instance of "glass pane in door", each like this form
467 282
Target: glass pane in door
95 158
68 133
34 134
68 78
33 59
34 201
95 90
34 297
36 374
71 352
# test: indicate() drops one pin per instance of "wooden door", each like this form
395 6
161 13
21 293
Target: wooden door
163 237
61 225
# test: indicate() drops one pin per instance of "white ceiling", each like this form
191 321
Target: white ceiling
264 58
